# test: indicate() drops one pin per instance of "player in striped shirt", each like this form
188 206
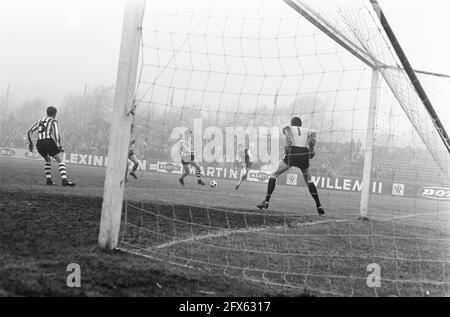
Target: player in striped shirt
187 157
49 145
243 157
299 150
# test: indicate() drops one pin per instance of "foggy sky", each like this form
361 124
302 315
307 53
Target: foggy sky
52 47
49 48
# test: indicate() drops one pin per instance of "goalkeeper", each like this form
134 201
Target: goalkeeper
299 150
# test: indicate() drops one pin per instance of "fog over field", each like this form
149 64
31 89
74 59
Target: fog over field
50 48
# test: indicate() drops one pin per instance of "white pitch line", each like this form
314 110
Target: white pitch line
413 215
225 233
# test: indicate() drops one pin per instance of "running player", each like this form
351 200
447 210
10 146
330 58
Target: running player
187 157
243 157
299 150
132 157
49 145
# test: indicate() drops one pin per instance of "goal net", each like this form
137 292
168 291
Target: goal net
235 73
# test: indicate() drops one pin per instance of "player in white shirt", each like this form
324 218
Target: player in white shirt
299 150
243 157
187 157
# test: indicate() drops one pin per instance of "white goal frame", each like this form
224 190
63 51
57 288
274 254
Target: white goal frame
122 119
121 124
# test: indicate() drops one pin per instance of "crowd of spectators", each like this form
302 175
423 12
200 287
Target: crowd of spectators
92 138
12 135
90 135
337 159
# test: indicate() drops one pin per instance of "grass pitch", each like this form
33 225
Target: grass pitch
196 240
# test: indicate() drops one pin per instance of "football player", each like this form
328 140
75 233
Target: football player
49 145
299 150
243 157
132 157
186 151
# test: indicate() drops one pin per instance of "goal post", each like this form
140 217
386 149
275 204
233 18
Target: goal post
411 75
340 39
212 67
121 124
370 140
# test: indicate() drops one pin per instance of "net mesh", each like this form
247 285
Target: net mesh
235 72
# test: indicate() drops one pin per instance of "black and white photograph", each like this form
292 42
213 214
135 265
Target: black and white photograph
224 156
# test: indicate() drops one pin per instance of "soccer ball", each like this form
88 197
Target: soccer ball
213 184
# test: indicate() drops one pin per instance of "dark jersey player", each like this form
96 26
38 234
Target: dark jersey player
49 145
243 157
299 150
132 157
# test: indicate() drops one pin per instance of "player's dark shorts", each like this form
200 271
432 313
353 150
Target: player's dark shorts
185 163
297 157
130 153
248 165
47 147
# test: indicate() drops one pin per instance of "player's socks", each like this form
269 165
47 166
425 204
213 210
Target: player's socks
197 173
63 171
270 188
48 171
181 179
240 182
320 211
132 174
313 191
